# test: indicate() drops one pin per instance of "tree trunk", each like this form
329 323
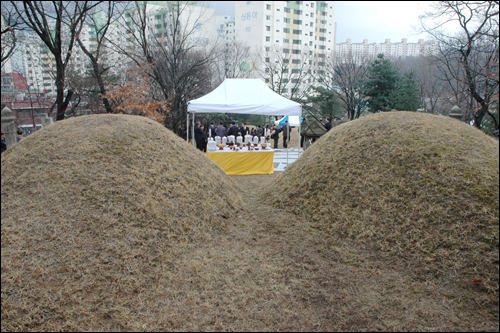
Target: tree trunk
479 115
102 88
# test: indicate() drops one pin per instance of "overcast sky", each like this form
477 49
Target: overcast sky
358 20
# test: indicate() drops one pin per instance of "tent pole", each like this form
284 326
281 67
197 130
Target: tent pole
193 130
287 142
187 127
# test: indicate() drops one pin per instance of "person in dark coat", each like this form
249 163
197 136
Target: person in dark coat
244 130
198 136
286 130
221 130
4 144
275 135
211 130
233 130
204 136
328 124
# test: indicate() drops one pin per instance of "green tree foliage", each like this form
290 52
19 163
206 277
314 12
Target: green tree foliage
407 96
381 84
325 103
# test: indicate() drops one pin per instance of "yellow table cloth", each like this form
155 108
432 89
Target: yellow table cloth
244 162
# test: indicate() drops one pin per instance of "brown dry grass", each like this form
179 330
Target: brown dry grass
261 268
417 191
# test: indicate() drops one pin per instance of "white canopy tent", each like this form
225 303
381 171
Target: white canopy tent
244 96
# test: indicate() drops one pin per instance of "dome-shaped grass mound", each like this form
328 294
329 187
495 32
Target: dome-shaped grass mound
100 206
410 185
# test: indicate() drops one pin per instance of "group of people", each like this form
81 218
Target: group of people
201 135
3 145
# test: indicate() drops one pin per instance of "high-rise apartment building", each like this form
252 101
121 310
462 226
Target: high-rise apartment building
303 29
389 49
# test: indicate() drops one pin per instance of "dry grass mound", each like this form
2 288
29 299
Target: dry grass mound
418 190
96 211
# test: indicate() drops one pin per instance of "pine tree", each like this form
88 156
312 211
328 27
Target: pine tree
381 85
408 96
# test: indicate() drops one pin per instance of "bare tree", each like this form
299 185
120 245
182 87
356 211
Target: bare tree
231 61
346 73
176 54
8 31
288 71
468 55
107 16
57 23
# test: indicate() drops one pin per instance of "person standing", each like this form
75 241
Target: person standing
275 136
286 131
259 131
198 136
233 130
204 136
221 130
244 130
19 135
211 130
328 124
4 144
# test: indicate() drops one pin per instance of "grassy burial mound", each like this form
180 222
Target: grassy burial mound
411 186
96 212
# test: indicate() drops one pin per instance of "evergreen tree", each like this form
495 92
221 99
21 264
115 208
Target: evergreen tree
408 96
381 85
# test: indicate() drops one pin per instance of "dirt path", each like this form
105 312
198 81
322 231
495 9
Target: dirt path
278 275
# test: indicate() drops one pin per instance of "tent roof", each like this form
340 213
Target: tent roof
245 96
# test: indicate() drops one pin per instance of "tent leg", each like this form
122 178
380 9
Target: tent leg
187 127
287 143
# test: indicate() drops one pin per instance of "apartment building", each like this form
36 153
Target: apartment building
298 28
389 49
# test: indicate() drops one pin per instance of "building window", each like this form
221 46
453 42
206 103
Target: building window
295 71
322 47
286 30
297 11
286 51
322 30
297 21
268 17
268 7
285 70
268 39
157 17
286 61
268 49
268 28
296 61
296 51
287 10
267 59
286 20
322 39
297 41
295 80
286 40
297 32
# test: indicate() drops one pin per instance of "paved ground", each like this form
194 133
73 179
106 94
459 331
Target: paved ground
280 158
